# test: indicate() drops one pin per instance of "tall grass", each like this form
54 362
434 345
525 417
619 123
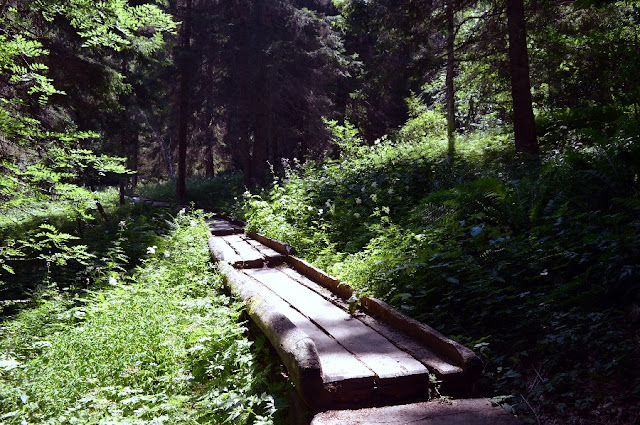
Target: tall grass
163 345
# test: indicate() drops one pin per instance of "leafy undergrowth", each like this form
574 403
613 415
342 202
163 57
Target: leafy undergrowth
534 264
159 345
71 241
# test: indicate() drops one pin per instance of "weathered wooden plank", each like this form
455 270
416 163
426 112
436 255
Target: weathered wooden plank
317 275
454 352
222 251
315 287
337 363
296 349
385 359
240 244
444 348
222 228
452 412
281 247
438 364
271 256
250 257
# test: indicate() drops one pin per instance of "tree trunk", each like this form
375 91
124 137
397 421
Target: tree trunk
244 134
523 119
209 166
470 114
260 140
135 157
451 112
183 119
122 180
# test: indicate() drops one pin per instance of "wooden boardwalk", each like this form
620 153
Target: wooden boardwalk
338 360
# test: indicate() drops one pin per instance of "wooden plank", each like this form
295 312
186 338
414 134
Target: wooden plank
455 353
316 287
437 412
445 351
272 257
420 352
222 227
250 257
317 275
222 251
281 247
439 364
374 350
343 379
337 363
296 349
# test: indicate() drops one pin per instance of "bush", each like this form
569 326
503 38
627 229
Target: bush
533 264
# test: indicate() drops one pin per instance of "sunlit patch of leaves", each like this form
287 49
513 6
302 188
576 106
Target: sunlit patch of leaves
160 346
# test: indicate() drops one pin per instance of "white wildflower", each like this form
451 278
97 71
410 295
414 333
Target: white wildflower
358 201
113 281
390 191
151 249
8 363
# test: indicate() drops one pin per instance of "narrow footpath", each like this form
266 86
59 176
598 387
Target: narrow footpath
364 365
